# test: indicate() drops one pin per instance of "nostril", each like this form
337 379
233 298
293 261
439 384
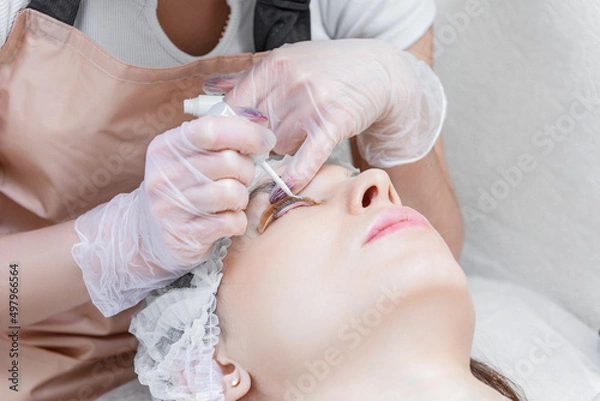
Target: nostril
369 195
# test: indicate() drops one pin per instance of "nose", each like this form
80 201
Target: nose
372 188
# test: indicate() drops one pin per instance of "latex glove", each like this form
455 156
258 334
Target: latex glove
316 94
194 192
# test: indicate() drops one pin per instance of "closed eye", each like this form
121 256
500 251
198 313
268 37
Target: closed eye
280 208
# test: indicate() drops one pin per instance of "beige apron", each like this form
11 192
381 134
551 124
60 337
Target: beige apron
74 127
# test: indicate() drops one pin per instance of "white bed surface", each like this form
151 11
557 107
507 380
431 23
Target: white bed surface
545 349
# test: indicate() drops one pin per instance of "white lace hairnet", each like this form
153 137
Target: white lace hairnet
177 328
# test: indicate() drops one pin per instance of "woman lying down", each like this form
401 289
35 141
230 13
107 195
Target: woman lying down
341 295
347 295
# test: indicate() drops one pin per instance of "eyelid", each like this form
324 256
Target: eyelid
274 211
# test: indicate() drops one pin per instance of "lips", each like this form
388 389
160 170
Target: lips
395 219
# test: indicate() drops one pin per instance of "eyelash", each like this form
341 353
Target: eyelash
280 208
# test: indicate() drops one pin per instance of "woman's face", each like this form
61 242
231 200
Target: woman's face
332 274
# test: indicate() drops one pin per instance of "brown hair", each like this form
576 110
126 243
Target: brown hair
481 371
495 380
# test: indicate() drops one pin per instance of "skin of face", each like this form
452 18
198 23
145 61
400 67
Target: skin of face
310 285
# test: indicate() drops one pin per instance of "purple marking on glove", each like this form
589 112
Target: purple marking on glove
251 114
220 83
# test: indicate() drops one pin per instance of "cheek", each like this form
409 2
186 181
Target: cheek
282 295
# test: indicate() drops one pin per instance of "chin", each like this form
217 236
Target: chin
421 265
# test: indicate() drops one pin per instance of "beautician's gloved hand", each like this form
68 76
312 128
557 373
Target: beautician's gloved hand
194 192
316 94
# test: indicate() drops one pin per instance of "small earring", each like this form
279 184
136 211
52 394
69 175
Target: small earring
235 381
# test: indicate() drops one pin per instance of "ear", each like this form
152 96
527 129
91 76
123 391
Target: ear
236 379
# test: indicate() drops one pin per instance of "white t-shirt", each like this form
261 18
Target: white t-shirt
8 12
129 29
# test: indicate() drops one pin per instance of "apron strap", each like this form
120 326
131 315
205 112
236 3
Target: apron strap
280 21
62 10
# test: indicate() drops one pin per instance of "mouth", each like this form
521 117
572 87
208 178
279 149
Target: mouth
395 219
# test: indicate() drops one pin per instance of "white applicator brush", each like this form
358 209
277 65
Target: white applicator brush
205 105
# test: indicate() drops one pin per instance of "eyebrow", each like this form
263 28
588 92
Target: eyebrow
264 188
267 187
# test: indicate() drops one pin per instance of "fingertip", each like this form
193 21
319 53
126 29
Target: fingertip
304 166
230 224
241 223
270 139
251 114
238 193
294 182
247 170
220 83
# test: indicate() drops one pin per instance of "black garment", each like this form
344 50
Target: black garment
62 10
277 22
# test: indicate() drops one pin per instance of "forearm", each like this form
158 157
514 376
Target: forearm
49 280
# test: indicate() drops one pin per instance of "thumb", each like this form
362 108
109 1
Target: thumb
220 84
307 161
